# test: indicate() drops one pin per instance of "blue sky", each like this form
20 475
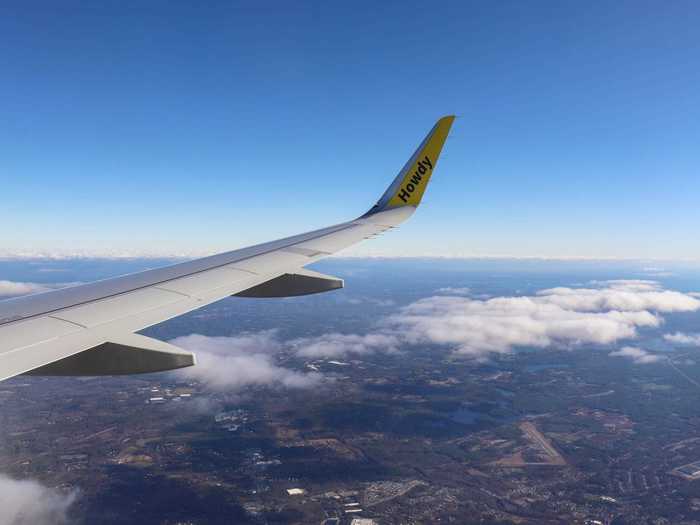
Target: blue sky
180 127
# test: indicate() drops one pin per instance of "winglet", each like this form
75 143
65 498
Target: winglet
409 185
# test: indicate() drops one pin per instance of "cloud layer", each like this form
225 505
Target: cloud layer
620 295
683 339
497 325
335 344
604 313
638 355
15 288
30 503
232 363
451 290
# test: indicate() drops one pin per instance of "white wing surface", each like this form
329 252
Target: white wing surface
90 329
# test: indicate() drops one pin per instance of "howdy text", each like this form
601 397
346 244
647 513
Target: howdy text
415 180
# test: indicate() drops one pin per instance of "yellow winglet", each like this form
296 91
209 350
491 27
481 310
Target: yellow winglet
409 185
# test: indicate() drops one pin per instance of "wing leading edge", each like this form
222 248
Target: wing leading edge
89 329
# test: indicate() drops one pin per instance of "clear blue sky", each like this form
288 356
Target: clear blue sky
195 126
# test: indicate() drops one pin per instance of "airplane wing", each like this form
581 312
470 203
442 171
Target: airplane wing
90 329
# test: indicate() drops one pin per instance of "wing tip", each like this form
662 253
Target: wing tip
409 185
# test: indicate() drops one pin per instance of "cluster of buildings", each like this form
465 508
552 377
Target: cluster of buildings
158 396
232 420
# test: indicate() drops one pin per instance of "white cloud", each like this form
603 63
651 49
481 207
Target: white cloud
335 345
628 296
602 313
683 339
231 363
367 300
638 356
653 271
449 290
611 312
127 253
477 327
25 502
15 288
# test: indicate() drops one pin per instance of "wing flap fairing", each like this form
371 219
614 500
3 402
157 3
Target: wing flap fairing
131 354
303 282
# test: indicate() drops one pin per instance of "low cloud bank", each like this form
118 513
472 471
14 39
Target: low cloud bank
336 345
232 363
26 502
450 290
683 339
621 295
638 356
604 313
474 327
16 288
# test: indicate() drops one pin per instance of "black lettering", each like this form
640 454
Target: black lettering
410 187
415 179
404 195
421 169
427 161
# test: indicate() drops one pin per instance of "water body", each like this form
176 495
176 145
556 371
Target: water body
497 412
466 415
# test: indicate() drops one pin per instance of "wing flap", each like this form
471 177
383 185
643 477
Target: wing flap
100 312
340 240
23 334
200 283
277 261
